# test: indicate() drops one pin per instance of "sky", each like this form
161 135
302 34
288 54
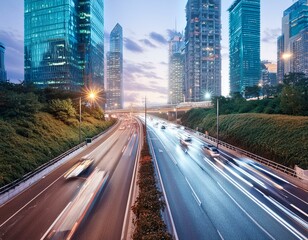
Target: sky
146 30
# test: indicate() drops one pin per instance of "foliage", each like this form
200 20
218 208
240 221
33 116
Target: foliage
148 224
26 143
280 138
62 109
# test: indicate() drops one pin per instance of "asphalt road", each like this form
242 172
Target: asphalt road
31 214
225 197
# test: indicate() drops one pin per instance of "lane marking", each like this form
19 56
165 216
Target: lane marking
31 200
299 210
194 193
55 221
279 219
123 148
220 235
247 214
295 196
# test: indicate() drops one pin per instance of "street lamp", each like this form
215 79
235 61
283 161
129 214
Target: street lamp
217 120
170 97
92 96
176 115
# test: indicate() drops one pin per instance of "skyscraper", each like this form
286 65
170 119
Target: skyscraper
115 69
244 44
292 45
3 77
64 43
202 49
176 69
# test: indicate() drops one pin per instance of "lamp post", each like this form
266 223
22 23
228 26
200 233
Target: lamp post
217 121
176 115
91 96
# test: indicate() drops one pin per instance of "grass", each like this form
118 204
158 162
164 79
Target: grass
26 144
280 138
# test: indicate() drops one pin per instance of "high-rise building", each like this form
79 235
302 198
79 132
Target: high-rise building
3 77
176 69
244 44
64 43
268 73
202 49
115 69
292 45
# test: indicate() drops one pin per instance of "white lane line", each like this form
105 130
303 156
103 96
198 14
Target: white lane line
194 193
300 210
220 234
234 173
123 148
31 200
287 211
279 219
55 221
247 214
295 196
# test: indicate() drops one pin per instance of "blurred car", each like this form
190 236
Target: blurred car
122 128
163 127
185 137
210 149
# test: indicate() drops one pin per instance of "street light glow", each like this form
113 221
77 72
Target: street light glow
92 95
286 55
207 95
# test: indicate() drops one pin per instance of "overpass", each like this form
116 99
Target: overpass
168 108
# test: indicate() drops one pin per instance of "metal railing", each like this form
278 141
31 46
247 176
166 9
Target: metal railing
253 156
41 168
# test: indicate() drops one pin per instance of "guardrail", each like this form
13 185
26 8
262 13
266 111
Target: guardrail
262 160
41 168
253 156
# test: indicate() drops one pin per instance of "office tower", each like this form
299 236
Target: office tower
268 73
244 44
176 69
202 49
3 77
64 43
115 69
292 45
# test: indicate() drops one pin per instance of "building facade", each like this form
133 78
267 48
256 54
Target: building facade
176 69
268 74
64 43
292 45
3 77
202 49
244 44
115 93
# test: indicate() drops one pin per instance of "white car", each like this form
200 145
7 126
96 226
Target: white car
210 149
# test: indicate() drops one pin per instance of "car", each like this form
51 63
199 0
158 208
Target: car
210 149
122 128
185 137
163 127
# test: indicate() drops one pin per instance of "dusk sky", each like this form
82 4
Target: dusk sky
146 28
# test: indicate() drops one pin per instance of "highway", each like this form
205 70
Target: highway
33 213
224 197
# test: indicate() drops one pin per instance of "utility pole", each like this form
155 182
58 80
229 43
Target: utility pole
217 121
145 114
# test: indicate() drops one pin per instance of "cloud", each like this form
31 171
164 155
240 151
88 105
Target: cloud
158 38
163 63
14 55
271 35
148 43
132 46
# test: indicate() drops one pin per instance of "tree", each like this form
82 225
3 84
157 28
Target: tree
62 109
252 91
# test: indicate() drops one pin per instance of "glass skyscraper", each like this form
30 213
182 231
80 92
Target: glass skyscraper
244 44
3 77
64 43
115 69
292 45
202 49
176 69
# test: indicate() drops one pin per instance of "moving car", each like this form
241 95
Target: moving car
185 137
210 149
